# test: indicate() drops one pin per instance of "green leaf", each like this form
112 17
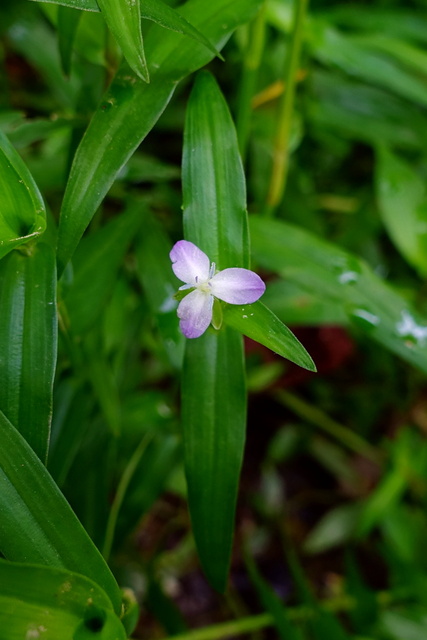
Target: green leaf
123 18
84 5
55 603
333 274
214 421
37 524
130 109
166 17
257 322
214 190
68 21
213 379
28 342
96 264
402 201
159 283
22 211
154 10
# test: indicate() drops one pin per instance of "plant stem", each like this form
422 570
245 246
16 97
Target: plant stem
317 417
280 166
251 63
120 494
263 620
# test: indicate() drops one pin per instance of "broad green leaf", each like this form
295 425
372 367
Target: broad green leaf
123 18
256 321
68 21
214 421
130 109
402 199
213 378
54 603
37 524
95 265
28 342
331 273
22 211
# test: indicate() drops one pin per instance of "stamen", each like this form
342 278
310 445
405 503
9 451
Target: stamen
212 270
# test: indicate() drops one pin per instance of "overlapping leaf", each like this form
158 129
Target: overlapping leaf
22 211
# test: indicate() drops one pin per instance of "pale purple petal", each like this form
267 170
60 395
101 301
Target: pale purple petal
237 286
195 313
189 262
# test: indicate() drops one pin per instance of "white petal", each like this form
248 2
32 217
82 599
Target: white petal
195 313
237 286
189 263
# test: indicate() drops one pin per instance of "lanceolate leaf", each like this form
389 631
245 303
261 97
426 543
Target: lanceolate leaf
123 18
28 341
214 422
130 109
60 603
213 382
259 323
37 524
22 212
331 273
154 10
214 189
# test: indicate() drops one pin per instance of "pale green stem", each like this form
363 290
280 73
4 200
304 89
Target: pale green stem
120 494
251 63
280 166
263 620
320 419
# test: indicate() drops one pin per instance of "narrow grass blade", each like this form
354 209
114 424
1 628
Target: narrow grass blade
22 211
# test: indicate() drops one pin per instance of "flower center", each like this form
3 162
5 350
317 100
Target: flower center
205 287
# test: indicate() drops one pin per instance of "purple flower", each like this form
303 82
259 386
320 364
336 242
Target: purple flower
192 266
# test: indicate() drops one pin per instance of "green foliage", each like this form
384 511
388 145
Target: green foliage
112 423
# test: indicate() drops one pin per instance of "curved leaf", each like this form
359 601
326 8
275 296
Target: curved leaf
333 274
130 109
54 603
37 524
257 322
22 211
28 342
123 18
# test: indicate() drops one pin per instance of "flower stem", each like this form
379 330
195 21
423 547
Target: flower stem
251 63
280 166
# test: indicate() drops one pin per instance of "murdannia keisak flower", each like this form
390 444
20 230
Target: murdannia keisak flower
234 285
